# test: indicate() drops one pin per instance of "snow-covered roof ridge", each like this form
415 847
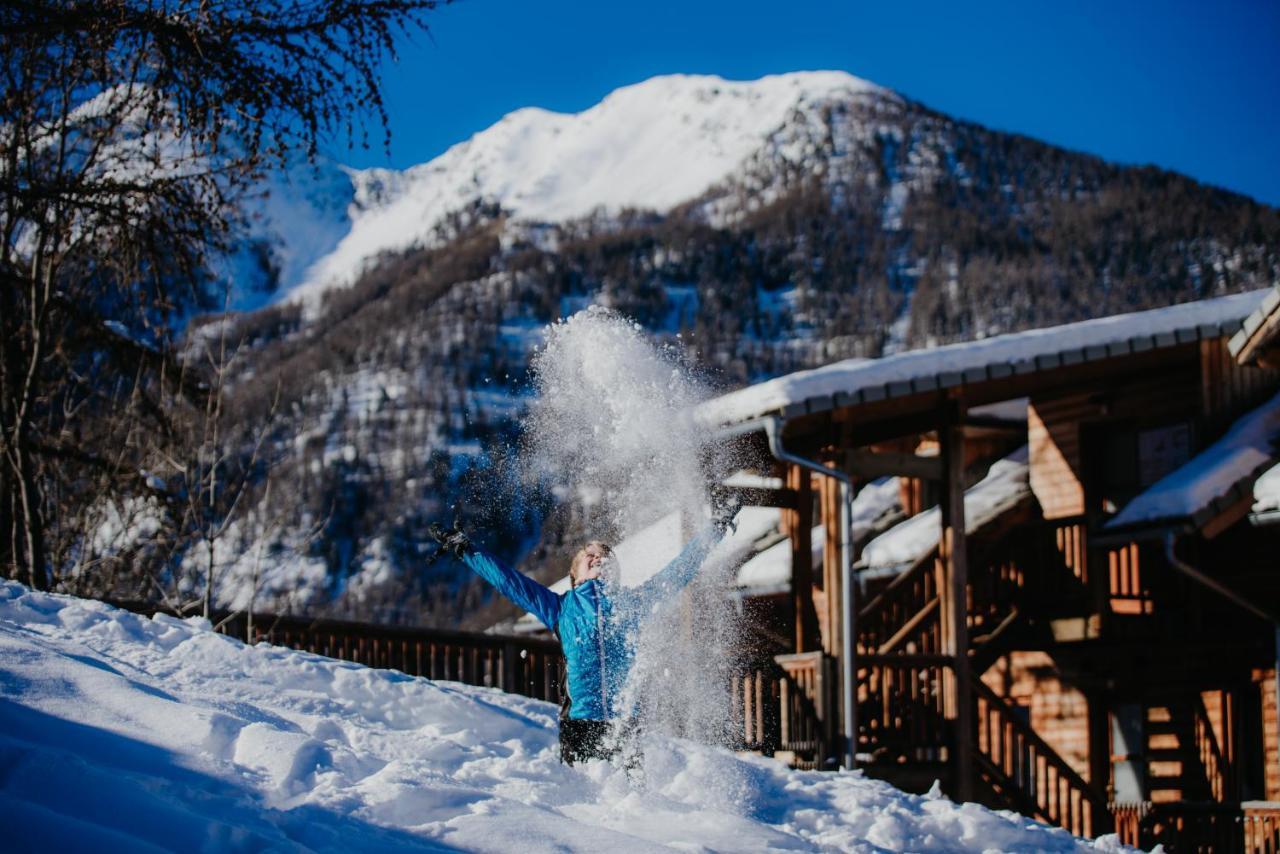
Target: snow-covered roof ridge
1217 477
1005 487
864 380
652 145
1259 328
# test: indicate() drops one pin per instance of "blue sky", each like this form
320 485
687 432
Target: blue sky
1189 86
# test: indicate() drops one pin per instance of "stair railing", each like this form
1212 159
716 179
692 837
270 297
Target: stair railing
902 707
905 609
1030 774
1217 768
807 723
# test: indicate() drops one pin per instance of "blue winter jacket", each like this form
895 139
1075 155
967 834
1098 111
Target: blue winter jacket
597 623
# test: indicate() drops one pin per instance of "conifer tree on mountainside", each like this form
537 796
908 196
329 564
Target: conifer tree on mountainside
132 132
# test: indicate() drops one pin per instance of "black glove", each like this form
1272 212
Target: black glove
724 507
452 540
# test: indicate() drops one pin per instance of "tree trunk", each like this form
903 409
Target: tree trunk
30 523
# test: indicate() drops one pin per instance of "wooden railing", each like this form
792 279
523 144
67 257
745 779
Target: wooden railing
1252 827
902 707
520 665
807 704
1218 770
995 594
1126 592
786 704
753 707
1069 537
906 610
1182 826
1261 821
1022 767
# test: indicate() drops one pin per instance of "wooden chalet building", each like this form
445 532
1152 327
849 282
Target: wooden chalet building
1076 615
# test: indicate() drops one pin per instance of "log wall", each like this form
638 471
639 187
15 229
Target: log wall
1266 680
1228 389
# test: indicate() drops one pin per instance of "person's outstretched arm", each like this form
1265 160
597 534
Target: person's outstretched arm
675 576
516 586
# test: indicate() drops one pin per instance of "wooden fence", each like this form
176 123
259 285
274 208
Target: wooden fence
519 665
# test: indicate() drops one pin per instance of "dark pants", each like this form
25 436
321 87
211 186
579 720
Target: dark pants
607 740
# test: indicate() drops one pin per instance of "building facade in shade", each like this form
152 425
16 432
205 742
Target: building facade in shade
1069 603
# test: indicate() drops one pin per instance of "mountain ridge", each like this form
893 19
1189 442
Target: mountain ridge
858 228
549 167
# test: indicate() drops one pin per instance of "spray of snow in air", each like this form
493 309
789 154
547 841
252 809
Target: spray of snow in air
613 423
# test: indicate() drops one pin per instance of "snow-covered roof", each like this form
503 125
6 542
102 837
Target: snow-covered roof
907 543
1259 328
1014 411
865 380
1266 492
1216 478
770 570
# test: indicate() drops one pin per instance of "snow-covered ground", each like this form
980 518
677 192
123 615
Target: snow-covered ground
121 733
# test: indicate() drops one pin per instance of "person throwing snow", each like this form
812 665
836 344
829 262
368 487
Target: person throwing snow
597 622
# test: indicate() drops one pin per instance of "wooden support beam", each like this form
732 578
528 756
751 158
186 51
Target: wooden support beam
753 496
861 463
798 523
954 563
1099 726
832 569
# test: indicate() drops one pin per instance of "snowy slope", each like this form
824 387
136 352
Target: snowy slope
651 146
123 733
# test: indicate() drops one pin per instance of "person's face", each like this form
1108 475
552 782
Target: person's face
593 562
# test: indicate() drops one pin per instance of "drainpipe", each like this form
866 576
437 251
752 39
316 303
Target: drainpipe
1170 552
773 430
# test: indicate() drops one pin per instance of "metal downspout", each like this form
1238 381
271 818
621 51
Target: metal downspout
773 430
1171 553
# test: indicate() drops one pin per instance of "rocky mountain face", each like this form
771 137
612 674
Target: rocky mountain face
761 227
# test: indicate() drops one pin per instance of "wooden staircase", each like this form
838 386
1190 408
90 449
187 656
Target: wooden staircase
1184 759
907 694
1025 774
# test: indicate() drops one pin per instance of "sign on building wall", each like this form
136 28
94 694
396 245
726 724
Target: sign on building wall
1162 450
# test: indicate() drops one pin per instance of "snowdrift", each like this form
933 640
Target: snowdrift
119 732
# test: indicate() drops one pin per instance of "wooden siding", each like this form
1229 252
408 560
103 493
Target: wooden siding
1053 433
1054 427
1059 713
1266 680
1227 388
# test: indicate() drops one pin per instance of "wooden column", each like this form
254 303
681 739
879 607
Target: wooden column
1099 723
798 524
832 569
953 557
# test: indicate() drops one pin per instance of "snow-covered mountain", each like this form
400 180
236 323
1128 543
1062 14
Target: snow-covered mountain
760 227
120 733
650 146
